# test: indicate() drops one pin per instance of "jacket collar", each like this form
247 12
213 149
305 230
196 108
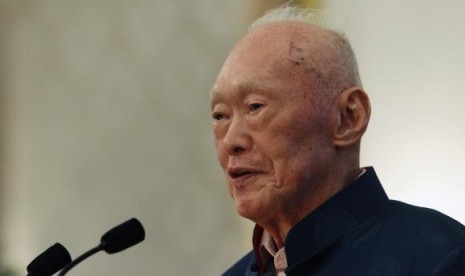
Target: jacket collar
322 228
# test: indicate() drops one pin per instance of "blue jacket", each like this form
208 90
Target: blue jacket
359 231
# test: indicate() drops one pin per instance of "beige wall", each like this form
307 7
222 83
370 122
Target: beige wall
107 117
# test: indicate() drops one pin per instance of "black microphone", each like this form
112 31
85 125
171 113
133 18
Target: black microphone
50 261
123 236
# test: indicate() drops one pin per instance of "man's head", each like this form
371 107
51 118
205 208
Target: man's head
288 114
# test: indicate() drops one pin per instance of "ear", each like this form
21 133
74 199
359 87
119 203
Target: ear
353 111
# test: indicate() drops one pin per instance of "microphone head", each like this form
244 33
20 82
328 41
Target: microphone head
123 236
50 261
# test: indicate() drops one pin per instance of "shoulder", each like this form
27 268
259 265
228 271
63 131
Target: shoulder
433 224
431 236
241 266
452 263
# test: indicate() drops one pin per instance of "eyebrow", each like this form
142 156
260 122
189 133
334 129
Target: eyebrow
244 88
252 86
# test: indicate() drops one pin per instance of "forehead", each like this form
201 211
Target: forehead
271 42
281 34
276 55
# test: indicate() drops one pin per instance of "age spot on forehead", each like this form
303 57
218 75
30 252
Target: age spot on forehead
296 54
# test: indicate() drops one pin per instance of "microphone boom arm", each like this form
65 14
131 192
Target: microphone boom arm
81 258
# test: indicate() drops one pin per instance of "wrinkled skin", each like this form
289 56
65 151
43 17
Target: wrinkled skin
275 147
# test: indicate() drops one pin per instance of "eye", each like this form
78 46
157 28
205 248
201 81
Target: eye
255 107
217 116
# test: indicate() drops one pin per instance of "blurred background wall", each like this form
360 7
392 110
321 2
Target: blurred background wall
105 116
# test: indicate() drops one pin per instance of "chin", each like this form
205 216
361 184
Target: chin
250 209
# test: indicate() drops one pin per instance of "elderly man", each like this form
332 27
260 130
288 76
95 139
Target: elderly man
288 112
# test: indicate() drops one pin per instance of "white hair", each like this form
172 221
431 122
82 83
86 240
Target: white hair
334 52
289 12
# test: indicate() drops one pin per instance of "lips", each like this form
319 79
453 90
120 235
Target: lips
237 173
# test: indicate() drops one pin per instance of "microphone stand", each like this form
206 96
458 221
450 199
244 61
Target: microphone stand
81 258
115 240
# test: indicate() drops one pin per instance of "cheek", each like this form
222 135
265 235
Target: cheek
221 154
289 140
218 131
291 148
218 135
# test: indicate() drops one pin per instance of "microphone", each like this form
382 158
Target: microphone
119 238
49 262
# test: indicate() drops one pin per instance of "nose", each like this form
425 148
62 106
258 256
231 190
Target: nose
237 139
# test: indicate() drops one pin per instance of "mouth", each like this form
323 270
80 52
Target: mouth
240 174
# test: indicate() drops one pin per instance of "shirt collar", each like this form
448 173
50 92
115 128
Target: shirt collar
274 259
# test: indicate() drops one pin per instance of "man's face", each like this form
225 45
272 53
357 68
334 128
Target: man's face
270 142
